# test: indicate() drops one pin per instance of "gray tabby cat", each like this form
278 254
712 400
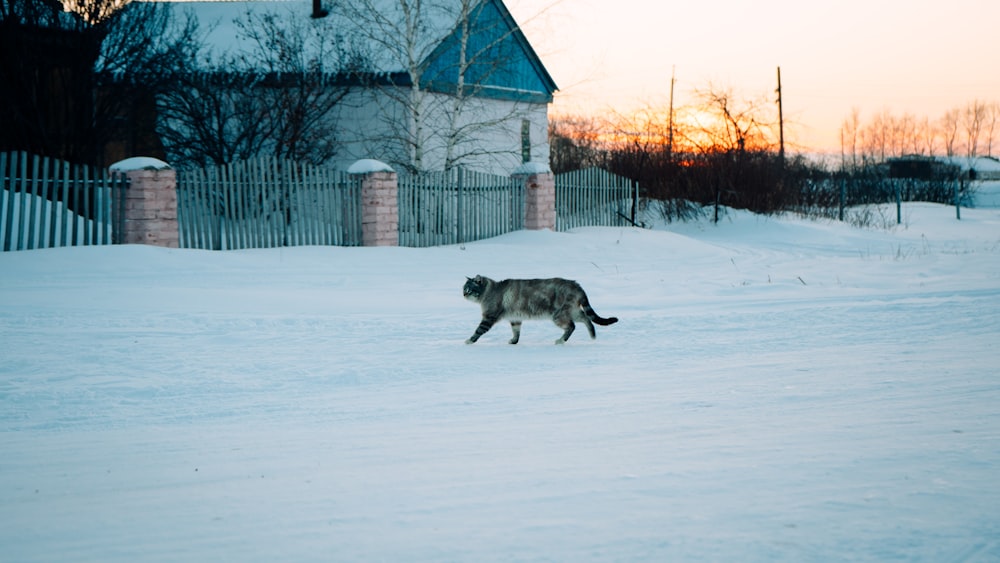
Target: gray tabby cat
563 301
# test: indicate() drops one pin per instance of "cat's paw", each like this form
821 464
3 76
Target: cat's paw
470 341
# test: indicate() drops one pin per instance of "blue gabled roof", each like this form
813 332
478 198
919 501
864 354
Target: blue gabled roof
500 63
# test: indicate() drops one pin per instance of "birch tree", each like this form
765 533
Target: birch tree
429 109
466 120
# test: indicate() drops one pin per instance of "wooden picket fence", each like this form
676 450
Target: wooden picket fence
594 197
267 203
457 206
48 203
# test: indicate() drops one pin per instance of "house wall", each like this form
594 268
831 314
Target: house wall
372 123
368 125
501 140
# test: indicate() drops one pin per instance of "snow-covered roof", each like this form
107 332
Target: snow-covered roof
364 24
373 35
977 163
984 167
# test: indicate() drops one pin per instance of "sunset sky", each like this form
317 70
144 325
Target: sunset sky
921 57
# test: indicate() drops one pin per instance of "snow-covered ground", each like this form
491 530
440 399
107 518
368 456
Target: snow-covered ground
776 389
987 194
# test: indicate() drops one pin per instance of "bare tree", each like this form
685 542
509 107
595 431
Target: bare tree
906 132
71 82
437 58
925 138
849 133
94 12
738 159
138 58
992 119
968 130
949 131
310 69
878 135
275 96
724 121
636 144
574 143
973 118
211 117
398 31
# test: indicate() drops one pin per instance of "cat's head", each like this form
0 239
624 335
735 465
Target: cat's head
474 288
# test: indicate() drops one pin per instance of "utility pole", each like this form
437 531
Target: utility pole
670 122
781 124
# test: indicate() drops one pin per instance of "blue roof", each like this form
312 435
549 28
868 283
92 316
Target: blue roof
501 62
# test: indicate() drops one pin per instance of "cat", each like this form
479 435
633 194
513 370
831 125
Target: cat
563 301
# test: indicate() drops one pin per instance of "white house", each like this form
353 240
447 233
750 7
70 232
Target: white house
983 168
454 84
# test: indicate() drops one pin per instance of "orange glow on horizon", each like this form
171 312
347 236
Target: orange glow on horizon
924 60
694 130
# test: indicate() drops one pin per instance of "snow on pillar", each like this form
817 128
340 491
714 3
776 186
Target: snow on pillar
379 203
539 195
150 210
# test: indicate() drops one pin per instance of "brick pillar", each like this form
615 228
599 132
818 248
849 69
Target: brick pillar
379 203
539 195
150 202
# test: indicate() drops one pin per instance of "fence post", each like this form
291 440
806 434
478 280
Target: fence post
843 198
379 202
958 206
150 210
899 202
539 195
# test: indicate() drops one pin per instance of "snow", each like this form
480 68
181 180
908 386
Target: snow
986 194
139 163
222 34
49 223
776 389
368 166
529 168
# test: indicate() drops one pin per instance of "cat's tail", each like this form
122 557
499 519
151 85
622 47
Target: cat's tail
602 321
592 315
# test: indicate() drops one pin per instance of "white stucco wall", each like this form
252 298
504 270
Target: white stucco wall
365 125
371 123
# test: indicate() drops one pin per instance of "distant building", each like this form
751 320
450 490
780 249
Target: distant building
982 168
922 167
